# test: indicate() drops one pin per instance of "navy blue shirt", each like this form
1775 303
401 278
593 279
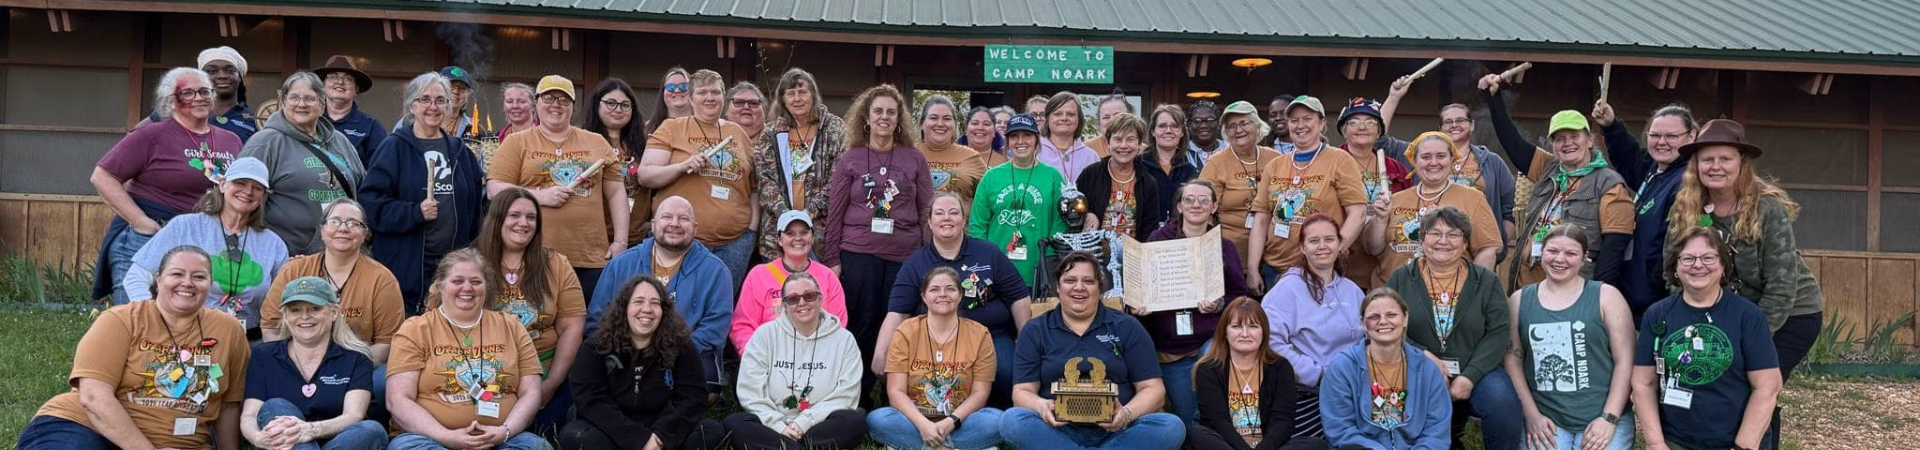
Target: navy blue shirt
1732 339
1115 338
1654 190
989 284
271 374
364 131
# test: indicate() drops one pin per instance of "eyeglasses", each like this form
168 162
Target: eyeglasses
747 103
1196 199
675 87
1459 121
1243 124
461 88
1448 236
614 106
1367 121
190 94
1665 137
1699 260
348 223
432 101
339 76
804 297
555 100
302 99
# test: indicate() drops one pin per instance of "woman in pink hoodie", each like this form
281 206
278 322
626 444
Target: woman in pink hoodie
760 294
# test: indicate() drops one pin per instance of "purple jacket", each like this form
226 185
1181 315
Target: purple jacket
1162 325
1311 333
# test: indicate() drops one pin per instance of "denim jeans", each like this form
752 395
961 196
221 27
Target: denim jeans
1502 426
1565 439
120 256
1002 395
1178 378
1269 276
365 434
893 428
522 441
1024 429
54 433
735 255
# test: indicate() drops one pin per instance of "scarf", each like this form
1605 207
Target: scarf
1564 178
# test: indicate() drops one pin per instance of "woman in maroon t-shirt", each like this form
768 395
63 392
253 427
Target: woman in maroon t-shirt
158 171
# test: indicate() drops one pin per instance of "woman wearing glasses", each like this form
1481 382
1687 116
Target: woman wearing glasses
676 98
147 179
799 379
308 161
1705 374
576 178
616 117
416 219
366 293
1236 172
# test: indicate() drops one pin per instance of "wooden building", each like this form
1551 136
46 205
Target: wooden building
1823 85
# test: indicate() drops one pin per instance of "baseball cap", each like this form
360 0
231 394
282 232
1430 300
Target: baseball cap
1359 105
248 168
1244 107
455 73
1310 102
1567 120
313 290
787 218
551 83
1022 123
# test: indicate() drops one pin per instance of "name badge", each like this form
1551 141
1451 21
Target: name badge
203 360
882 226
185 426
1677 397
1249 224
489 409
1453 367
720 192
1018 253
1282 228
1536 249
1183 323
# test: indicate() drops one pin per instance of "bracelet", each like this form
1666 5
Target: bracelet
1129 411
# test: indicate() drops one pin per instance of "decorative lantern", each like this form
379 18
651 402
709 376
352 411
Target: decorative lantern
1084 397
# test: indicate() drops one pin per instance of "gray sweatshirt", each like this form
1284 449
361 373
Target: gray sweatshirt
301 181
246 268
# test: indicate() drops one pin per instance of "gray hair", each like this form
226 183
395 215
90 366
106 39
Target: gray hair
797 77
745 86
163 92
312 81
936 99
1452 217
326 210
418 86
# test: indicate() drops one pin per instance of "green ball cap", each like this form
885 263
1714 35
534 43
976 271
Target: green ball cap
312 290
1567 120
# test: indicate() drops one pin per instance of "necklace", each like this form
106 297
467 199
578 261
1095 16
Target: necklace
1444 307
186 357
796 393
1422 192
1116 177
1299 168
1247 378
465 331
339 286
940 351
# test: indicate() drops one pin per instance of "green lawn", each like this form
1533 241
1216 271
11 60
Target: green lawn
36 352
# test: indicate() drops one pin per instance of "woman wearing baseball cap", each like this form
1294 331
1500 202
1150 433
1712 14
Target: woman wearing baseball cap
1015 205
1237 172
574 175
760 295
231 226
315 387
1307 181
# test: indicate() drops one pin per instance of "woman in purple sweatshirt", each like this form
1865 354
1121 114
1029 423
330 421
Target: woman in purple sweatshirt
1180 335
1315 312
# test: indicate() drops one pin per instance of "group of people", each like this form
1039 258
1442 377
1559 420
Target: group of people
294 281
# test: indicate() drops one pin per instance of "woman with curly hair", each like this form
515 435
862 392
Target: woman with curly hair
625 385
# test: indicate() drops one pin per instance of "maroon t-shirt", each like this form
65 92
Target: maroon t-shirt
166 163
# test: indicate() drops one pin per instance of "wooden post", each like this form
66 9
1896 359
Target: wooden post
1876 142
136 69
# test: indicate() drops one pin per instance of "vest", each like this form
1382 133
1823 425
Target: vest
1582 207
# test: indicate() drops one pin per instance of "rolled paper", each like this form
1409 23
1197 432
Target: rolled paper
591 171
1515 71
716 149
1430 65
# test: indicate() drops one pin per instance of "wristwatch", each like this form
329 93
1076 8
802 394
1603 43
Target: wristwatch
1615 419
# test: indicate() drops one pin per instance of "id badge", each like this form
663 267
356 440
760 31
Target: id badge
1282 228
1536 249
185 426
489 409
1249 224
1453 367
203 360
1018 253
882 226
1677 397
720 192
1183 323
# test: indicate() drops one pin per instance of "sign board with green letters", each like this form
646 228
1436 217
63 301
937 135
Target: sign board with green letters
1048 64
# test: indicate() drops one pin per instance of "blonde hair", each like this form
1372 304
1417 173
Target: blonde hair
342 334
857 132
1691 202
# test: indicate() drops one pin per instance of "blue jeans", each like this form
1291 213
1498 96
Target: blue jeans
1002 395
1178 377
522 441
120 256
893 428
735 255
363 434
1502 426
1269 276
1565 439
1024 429
54 433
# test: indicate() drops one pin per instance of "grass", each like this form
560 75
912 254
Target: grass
38 353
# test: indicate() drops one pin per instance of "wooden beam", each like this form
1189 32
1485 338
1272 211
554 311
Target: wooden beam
136 74
1876 143
934 40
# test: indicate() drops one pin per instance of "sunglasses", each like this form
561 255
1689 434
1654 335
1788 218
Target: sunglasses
675 87
795 299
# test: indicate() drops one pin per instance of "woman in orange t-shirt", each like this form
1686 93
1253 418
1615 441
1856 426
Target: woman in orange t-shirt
538 292
462 376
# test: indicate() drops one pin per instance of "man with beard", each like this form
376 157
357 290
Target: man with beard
228 70
697 281
1203 129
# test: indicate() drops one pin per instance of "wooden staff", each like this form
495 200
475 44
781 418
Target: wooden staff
1430 66
1606 73
1508 75
591 172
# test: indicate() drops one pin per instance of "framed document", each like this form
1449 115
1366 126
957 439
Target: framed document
1172 275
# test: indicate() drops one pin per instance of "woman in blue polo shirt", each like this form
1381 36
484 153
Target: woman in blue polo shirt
991 290
311 391
1083 329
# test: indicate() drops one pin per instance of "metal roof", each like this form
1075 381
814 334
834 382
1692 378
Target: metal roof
1833 31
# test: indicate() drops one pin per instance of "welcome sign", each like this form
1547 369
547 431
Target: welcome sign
1048 64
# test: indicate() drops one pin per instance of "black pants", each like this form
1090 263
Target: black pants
868 280
582 434
589 278
843 429
1201 437
1794 339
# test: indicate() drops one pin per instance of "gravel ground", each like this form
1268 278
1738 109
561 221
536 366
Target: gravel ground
1829 413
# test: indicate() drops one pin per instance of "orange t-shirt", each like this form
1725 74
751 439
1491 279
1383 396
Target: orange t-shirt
493 356
130 347
955 169
1237 180
564 299
941 374
370 298
578 228
1404 218
1099 146
1292 191
722 193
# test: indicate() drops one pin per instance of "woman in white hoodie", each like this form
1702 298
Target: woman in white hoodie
799 379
